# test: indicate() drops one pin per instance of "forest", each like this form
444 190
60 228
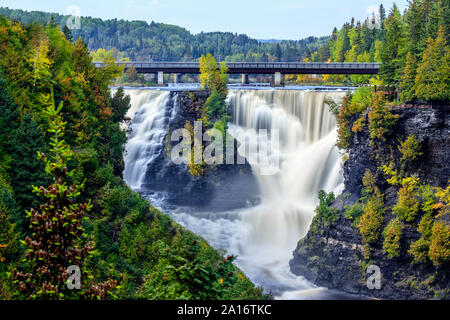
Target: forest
397 40
62 199
139 40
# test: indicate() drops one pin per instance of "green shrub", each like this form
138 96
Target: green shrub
369 182
325 216
407 206
359 124
440 243
189 277
390 171
371 221
443 206
392 235
361 99
419 250
117 202
410 149
215 106
345 134
381 120
354 213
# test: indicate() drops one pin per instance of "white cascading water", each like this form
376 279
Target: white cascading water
148 128
263 237
308 162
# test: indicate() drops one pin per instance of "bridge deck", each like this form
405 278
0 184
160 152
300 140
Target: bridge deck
257 67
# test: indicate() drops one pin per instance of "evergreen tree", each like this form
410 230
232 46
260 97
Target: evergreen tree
9 117
433 74
382 14
431 9
379 34
67 33
26 170
334 34
407 89
342 44
393 49
415 24
444 17
278 53
367 37
324 53
52 21
120 103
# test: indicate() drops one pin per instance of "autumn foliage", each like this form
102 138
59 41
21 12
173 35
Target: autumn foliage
57 240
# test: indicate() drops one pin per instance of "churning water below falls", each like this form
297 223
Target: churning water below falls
264 236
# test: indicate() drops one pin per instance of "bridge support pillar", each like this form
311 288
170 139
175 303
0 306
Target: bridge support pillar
160 78
244 78
177 78
277 79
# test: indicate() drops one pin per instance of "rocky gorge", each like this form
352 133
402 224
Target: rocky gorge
332 253
221 186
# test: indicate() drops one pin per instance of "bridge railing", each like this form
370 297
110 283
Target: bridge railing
252 65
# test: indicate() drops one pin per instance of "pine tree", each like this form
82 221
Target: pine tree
52 21
120 103
415 24
382 14
278 53
433 74
393 49
367 37
9 116
324 53
407 89
444 17
342 43
25 141
431 9
334 34
67 33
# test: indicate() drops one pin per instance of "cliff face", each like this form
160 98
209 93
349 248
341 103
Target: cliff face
221 187
332 255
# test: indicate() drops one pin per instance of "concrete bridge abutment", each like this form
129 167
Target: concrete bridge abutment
244 79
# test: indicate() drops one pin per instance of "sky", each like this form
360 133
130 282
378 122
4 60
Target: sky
260 19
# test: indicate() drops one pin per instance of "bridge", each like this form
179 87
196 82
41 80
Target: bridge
245 68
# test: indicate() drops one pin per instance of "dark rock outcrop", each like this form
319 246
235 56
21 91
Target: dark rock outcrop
333 256
221 187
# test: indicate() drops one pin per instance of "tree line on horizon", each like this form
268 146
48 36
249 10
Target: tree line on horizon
412 47
139 40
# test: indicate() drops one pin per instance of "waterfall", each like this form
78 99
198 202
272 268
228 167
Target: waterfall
263 237
308 160
150 117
